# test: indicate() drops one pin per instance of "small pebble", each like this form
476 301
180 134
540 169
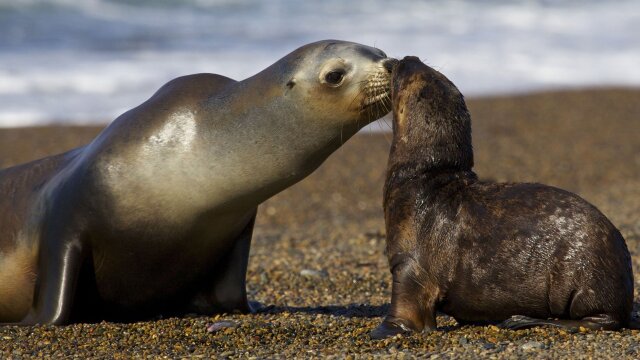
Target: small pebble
221 325
310 273
532 345
488 346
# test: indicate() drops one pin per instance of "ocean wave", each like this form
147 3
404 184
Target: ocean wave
66 60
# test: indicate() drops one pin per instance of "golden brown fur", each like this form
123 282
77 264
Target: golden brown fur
17 280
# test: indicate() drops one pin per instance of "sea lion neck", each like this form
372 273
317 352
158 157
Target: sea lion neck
300 142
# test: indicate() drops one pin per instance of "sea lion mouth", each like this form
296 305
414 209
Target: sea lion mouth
377 91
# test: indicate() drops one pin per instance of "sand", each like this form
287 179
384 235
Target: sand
318 261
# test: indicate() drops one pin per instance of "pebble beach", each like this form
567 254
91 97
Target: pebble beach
317 262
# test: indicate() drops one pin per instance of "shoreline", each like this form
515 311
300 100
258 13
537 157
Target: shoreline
559 91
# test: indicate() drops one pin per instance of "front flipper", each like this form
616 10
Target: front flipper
413 300
228 292
59 262
390 327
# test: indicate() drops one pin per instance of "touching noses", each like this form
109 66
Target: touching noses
389 64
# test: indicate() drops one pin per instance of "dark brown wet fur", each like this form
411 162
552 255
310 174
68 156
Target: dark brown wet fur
520 254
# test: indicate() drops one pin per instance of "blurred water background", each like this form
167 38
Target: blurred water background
87 61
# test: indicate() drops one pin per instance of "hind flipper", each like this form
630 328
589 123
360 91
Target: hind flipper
595 322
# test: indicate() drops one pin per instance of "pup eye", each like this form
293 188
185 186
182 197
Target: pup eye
334 77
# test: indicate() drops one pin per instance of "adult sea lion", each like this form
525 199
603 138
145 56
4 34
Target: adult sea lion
155 215
523 254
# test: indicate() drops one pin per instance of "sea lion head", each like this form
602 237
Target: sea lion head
430 117
343 84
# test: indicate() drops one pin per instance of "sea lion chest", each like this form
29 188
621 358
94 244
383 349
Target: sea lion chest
154 226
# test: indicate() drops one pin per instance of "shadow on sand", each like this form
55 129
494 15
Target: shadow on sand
372 311
350 310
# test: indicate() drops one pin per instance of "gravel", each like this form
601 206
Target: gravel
317 261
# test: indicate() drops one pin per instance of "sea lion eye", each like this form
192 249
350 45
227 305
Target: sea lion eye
334 77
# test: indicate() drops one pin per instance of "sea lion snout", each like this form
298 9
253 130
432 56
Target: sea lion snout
410 71
408 80
407 66
422 89
406 74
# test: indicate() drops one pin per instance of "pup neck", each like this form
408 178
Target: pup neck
439 151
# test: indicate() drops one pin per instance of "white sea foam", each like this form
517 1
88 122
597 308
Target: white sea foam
91 60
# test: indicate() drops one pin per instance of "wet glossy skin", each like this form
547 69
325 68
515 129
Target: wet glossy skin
520 254
155 215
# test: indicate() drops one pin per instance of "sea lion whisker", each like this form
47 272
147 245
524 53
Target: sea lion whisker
384 103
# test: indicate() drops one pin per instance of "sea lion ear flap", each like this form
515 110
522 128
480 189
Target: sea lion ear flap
291 83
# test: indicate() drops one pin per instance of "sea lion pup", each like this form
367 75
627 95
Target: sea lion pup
155 215
524 254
